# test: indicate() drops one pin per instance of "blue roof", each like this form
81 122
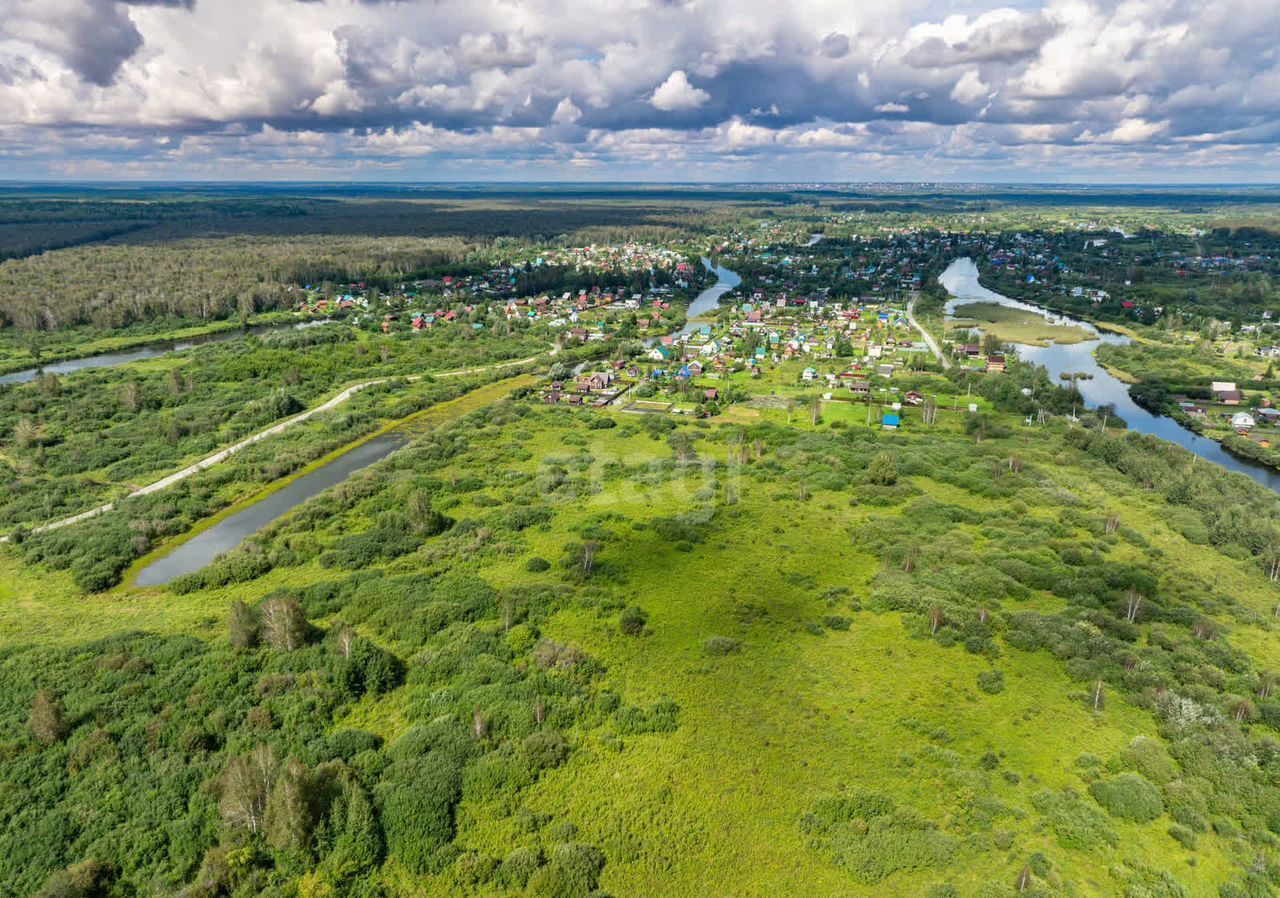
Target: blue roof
890 419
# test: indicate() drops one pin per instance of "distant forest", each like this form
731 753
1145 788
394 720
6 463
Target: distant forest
110 262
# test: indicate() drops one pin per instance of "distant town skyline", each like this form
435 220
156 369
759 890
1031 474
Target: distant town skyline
1060 92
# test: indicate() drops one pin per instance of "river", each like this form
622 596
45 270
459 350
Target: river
202 549
139 353
961 280
709 299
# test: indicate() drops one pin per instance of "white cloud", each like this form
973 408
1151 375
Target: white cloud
566 112
970 89
677 93
107 80
1131 130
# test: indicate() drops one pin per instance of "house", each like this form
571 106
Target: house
711 394
1226 392
808 375
913 398
996 363
1242 421
884 370
860 388
890 422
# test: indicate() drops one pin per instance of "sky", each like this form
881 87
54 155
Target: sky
1157 91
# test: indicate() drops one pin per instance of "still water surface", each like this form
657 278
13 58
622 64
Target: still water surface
140 353
204 547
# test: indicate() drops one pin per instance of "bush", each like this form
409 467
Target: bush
1075 823
1129 796
722 645
572 871
991 682
346 744
883 470
1183 836
518 867
536 565
836 622
632 621
545 749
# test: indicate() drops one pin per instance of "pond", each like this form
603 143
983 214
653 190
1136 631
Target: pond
961 280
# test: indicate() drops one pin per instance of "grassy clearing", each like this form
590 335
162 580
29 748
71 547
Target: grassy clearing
1012 325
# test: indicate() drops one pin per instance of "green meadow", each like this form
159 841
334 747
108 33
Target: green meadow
1010 325
548 652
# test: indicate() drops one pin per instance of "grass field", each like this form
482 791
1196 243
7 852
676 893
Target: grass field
1012 325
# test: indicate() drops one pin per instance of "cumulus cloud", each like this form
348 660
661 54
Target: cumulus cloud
970 89
677 93
723 87
566 112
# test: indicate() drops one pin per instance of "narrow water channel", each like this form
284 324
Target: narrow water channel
961 280
203 548
140 353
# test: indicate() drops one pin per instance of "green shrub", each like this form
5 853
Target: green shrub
1075 823
991 681
1183 836
536 565
722 645
872 839
1140 881
632 621
572 871
1129 796
545 749
518 867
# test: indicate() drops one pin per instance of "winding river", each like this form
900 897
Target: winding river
961 280
709 299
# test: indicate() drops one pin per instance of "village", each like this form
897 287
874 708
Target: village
616 282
